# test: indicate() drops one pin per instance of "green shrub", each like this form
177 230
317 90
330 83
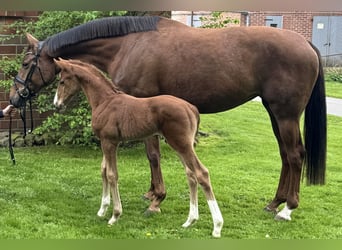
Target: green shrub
334 74
217 20
72 126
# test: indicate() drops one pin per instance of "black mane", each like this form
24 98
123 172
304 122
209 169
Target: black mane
100 28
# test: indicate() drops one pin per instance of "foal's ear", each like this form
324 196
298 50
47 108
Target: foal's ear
58 68
60 63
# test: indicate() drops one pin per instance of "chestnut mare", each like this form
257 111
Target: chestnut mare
214 69
118 117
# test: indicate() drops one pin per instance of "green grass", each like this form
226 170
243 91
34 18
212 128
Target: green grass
54 192
334 89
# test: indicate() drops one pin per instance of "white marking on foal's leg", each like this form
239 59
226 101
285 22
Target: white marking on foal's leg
113 220
55 100
217 218
193 214
117 206
104 206
284 214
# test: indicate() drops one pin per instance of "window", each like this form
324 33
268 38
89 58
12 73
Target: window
193 21
274 21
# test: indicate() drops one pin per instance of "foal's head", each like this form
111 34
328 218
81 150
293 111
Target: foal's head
68 85
74 73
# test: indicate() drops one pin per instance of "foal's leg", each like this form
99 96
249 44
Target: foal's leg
196 170
105 190
109 151
156 193
192 181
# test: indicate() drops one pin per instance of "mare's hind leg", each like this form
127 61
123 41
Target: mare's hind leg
281 193
156 193
291 137
291 149
105 201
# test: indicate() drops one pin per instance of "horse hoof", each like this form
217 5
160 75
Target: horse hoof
281 217
101 213
150 212
216 234
271 210
112 221
189 222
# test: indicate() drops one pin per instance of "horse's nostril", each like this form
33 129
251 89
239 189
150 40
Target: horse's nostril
24 93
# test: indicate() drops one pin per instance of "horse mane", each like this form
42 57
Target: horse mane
94 71
100 28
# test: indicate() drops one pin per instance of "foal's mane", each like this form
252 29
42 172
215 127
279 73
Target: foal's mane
93 71
100 28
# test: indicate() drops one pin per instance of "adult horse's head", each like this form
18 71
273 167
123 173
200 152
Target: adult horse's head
37 70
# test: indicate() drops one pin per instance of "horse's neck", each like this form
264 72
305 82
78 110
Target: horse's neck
96 90
98 52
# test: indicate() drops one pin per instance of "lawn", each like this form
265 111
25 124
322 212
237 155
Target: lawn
54 192
334 89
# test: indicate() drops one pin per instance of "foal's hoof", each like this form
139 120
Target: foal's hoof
216 234
113 220
101 213
150 212
189 222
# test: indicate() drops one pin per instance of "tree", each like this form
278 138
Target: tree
217 20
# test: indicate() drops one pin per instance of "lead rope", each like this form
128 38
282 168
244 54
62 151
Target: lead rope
31 114
23 118
10 145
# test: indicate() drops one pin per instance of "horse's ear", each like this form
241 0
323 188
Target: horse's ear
32 40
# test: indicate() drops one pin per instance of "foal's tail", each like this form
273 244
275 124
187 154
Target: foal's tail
315 130
196 122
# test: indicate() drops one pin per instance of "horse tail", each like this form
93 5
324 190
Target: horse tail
315 130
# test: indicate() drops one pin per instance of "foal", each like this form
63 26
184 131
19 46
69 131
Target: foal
118 117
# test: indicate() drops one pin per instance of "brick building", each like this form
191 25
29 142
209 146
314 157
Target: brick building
301 22
324 29
10 48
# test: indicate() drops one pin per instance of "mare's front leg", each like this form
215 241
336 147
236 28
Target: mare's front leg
109 151
156 193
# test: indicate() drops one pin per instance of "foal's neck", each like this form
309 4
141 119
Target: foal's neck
96 87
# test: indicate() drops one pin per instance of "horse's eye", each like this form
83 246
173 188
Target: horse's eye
25 65
61 82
